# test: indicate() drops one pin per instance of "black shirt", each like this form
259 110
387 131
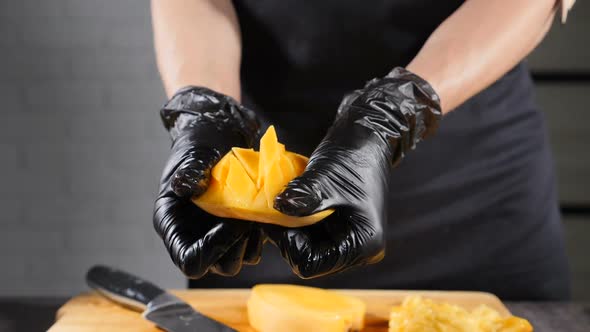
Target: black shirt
473 207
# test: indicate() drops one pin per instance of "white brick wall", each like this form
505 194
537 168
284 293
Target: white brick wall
81 146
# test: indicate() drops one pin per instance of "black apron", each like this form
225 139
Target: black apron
472 208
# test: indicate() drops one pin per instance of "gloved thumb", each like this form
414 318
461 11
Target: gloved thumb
304 195
191 176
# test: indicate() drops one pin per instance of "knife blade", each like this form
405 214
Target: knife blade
160 307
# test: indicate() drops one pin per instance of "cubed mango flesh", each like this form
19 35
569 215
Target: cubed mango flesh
244 184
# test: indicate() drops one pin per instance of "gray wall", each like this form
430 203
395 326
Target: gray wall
566 49
81 146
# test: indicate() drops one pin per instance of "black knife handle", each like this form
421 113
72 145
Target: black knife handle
122 287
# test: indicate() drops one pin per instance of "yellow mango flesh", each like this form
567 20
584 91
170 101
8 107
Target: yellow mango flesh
244 184
290 308
249 160
416 314
239 187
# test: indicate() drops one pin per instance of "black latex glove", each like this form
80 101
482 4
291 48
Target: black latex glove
204 126
349 171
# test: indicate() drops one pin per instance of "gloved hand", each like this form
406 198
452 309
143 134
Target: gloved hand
349 171
204 125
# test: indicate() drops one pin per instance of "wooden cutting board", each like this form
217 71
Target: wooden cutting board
91 312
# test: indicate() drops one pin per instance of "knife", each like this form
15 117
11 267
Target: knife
160 307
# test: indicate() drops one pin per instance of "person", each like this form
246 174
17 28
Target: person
423 132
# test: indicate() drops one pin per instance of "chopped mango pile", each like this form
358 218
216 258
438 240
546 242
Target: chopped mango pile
290 308
416 314
245 182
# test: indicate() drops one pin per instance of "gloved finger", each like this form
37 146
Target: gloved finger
246 251
348 100
301 197
328 181
191 177
254 248
205 252
310 192
231 262
194 239
336 243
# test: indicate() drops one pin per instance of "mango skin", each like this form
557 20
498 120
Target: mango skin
245 182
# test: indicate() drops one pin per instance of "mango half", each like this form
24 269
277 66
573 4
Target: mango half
245 182
291 308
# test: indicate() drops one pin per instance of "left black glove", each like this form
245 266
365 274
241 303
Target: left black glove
204 125
350 170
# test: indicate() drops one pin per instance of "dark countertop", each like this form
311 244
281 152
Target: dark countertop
554 316
38 314
28 314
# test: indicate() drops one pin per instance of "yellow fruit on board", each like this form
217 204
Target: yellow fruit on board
244 184
416 314
290 308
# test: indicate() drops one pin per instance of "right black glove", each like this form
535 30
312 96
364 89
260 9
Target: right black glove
204 125
349 171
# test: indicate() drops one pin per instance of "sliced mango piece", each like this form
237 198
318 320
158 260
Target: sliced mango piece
298 161
214 192
273 184
245 182
260 202
270 152
290 308
249 160
220 173
239 184
287 168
